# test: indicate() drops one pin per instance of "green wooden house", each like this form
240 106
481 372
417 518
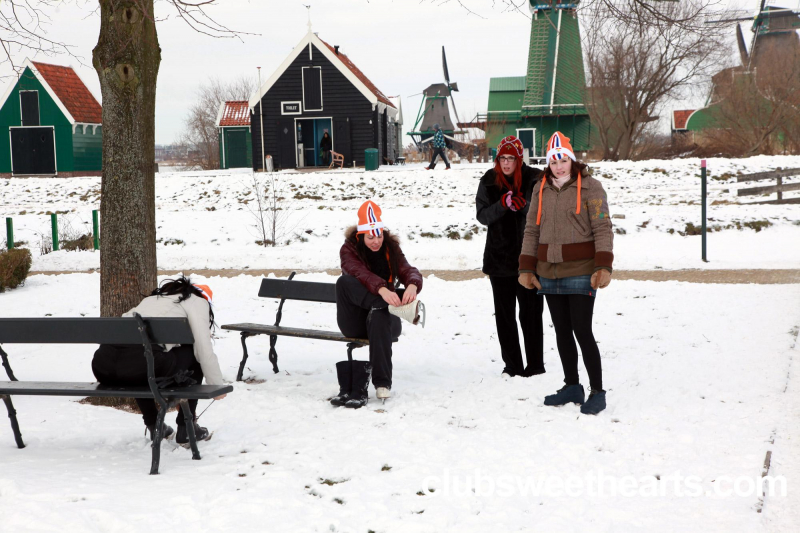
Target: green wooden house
54 124
551 96
233 125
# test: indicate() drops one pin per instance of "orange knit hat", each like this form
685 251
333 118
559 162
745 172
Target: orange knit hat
369 219
206 290
558 147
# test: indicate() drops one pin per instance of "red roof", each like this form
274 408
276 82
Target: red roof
360 75
69 88
679 118
236 113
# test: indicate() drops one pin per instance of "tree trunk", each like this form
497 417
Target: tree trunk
126 58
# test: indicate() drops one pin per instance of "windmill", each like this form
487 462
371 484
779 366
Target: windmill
434 109
776 24
774 29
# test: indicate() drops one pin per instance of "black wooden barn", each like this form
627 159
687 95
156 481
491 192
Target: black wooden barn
317 89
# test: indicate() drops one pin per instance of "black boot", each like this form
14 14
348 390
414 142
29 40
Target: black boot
359 394
595 403
200 433
566 394
167 432
344 375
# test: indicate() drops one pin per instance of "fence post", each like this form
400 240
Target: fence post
54 226
703 172
96 228
9 233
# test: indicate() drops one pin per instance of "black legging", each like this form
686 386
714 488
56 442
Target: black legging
361 314
124 365
572 315
507 292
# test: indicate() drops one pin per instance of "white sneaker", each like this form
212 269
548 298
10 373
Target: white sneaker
383 393
413 312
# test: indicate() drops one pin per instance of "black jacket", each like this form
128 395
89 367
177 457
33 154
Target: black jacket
325 143
506 228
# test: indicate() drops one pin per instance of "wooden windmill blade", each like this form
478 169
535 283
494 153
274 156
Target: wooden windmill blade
742 47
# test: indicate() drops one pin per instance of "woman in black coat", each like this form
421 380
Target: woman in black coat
325 145
502 204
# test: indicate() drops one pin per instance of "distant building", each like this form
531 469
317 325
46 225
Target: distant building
54 124
235 143
318 89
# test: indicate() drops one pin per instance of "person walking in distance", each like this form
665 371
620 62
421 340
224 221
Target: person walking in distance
439 147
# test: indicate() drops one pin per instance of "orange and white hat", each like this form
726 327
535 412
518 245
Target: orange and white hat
206 290
369 219
558 147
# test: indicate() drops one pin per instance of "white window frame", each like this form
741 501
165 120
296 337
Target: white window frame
533 148
321 92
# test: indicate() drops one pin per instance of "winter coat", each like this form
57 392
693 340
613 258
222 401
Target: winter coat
505 227
325 143
352 265
195 309
567 244
438 139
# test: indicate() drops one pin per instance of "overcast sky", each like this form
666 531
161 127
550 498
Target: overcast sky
396 43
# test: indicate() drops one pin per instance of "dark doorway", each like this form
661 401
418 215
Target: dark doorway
287 158
33 151
29 106
341 133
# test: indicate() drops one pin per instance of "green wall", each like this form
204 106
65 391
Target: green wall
576 127
49 115
87 148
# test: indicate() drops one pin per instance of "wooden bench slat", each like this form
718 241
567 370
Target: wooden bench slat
57 388
308 291
92 330
264 329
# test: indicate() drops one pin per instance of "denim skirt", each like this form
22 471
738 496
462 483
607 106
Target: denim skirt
570 285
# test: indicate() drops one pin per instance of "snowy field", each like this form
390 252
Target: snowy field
205 219
701 379
696 376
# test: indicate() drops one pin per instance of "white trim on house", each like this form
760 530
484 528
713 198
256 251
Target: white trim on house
50 91
220 112
85 125
309 39
303 78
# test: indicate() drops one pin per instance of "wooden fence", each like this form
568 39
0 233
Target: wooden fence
779 188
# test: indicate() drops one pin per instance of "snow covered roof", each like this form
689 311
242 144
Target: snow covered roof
234 113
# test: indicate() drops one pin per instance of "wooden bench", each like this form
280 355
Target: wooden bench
336 158
132 330
286 289
778 188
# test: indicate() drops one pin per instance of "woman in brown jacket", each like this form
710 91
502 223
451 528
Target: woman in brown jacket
369 304
568 243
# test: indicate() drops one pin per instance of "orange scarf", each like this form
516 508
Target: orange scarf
541 190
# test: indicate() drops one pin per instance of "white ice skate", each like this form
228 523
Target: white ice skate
413 312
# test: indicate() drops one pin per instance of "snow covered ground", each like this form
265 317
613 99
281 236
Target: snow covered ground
697 386
205 219
702 380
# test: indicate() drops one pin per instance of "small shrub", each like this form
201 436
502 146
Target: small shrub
454 235
14 267
757 225
84 242
429 235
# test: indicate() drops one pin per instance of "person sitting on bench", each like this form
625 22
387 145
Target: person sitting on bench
369 304
125 365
